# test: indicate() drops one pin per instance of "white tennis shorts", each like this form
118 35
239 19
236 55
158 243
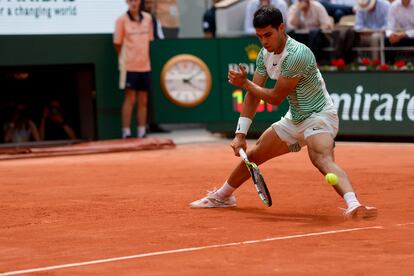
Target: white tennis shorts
295 135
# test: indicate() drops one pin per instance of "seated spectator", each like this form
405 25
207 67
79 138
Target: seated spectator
167 12
308 20
400 29
53 125
370 21
147 6
253 5
338 8
209 21
21 128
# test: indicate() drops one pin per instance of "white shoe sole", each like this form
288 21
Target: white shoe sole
208 204
206 207
364 213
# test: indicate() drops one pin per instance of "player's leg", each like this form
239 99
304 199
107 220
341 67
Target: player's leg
142 103
127 107
268 146
321 153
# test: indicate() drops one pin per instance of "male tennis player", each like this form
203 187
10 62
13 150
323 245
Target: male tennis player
311 120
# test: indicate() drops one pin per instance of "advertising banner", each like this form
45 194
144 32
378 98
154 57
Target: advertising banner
369 103
27 17
373 103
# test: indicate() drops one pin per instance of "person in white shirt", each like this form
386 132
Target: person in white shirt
308 22
370 22
400 29
253 5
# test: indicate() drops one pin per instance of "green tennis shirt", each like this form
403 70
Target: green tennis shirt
297 60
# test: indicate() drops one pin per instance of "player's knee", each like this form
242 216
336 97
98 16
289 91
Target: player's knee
321 161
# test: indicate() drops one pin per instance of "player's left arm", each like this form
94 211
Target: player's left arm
274 96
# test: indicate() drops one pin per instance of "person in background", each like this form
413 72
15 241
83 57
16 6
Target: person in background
209 21
308 21
338 8
253 5
53 125
147 6
21 128
400 29
167 12
132 37
370 20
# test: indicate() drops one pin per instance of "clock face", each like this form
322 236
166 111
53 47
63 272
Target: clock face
186 80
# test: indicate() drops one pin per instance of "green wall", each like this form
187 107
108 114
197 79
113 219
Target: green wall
73 49
390 95
220 108
369 103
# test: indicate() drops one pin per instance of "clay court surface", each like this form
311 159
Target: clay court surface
127 214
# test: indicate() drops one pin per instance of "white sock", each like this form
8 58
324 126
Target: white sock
141 131
225 191
126 131
351 200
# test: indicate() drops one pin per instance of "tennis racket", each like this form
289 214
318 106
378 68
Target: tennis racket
258 180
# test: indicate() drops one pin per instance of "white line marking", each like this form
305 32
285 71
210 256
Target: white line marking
185 250
405 224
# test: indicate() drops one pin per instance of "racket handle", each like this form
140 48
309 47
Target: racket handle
243 155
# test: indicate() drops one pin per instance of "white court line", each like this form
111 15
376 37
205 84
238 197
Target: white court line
405 224
137 256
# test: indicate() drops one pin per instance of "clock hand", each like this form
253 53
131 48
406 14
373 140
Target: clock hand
193 85
192 76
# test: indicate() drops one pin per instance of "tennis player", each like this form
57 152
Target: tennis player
311 120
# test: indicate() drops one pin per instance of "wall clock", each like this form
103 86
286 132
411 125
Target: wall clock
186 80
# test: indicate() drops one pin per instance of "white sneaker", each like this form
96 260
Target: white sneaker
361 212
212 201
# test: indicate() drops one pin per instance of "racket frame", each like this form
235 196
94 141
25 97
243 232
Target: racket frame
255 173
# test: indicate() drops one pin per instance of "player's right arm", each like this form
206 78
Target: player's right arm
251 102
249 108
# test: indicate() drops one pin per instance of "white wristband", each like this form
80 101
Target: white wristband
243 125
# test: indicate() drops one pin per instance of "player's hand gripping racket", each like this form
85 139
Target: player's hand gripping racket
258 180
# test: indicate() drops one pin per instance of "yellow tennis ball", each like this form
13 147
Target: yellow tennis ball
331 178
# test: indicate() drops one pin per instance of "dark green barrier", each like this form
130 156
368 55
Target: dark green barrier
369 103
373 103
390 94
97 50
223 105
164 110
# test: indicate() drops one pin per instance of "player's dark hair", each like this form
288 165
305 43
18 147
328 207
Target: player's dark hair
267 15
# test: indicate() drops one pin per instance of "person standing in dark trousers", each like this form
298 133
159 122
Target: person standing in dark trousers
158 34
132 37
